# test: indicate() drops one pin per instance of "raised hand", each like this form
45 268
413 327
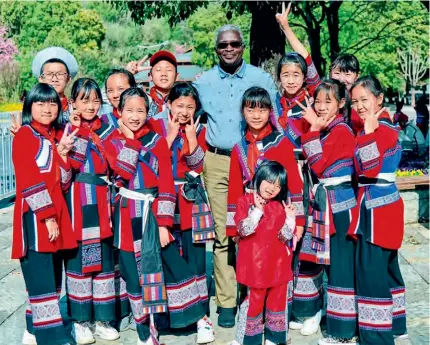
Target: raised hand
282 18
67 141
16 123
75 118
308 112
128 133
191 129
290 209
135 67
371 120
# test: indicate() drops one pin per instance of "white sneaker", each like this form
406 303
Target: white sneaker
311 325
333 341
146 342
234 342
105 331
205 331
28 338
268 342
82 333
295 325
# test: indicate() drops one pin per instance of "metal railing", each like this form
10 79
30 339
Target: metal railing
7 173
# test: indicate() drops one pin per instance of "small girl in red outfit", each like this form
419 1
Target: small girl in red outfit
265 224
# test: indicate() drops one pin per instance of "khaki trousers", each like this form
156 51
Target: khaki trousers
216 170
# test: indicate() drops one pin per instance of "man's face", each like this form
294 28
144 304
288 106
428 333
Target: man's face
55 74
230 48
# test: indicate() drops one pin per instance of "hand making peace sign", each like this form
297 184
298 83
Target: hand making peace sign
67 141
191 129
16 123
282 18
317 122
371 120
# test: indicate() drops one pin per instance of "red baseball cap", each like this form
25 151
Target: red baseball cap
163 55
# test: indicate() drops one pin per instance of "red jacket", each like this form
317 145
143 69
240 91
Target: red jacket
264 259
183 161
274 147
143 162
41 175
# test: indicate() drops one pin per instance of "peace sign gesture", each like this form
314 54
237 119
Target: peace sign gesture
290 209
135 67
16 123
67 141
308 112
282 18
172 129
371 120
191 129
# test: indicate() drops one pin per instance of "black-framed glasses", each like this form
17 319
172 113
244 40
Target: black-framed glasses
58 75
233 44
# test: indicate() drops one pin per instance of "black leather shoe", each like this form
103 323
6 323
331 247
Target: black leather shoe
226 318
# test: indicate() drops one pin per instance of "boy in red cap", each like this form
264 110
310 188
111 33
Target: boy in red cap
163 74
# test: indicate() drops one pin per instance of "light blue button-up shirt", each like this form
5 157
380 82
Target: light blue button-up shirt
221 96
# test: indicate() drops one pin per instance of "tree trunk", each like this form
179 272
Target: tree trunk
333 28
413 96
266 38
314 38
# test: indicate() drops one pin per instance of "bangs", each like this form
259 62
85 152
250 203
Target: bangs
48 95
83 87
256 97
346 63
333 89
272 171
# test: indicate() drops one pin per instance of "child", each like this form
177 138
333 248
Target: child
346 69
261 141
117 81
298 78
164 73
41 226
54 66
399 113
185 267
329 150
144 210
265 224
377 221
90 268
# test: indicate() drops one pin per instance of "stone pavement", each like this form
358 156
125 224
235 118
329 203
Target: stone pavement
414 260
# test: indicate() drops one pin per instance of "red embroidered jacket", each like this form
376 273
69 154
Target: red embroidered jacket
183 161
88 156
143 162
264 259
41 176
273 147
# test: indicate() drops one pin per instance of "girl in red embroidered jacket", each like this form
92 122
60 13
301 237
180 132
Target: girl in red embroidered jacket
265 225
377 221
329 150
298 78
41 226
261 141
144 209
185 264
90 269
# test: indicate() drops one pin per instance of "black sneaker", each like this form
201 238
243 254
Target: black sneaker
226 318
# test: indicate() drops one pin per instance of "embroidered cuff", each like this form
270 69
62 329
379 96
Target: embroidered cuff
39 200
166 205
312 147
287 230
368 152
66 176
195 159
248 225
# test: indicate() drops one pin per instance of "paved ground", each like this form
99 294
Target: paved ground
414 264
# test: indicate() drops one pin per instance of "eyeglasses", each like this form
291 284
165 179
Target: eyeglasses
233 44
58 75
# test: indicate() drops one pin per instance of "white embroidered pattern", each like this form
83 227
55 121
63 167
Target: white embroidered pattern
136 303
195 159
80 146
241 322
104 288
202 287
44 156
38 200
66 175
180 297
246 227
166 208
369 152
383 200
399 302
341 302
300 208
79 288
375 315
230 219
45 312
128 156
312 148
308 286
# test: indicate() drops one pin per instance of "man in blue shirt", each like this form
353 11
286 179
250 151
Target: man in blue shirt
221 90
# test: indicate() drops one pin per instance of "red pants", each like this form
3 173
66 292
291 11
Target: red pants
265 310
